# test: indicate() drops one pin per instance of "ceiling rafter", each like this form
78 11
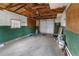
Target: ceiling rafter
11 5
19 7
46 17
59 9
34 10
8 5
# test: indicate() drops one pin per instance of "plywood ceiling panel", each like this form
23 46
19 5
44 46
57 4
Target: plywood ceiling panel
3 5
21 10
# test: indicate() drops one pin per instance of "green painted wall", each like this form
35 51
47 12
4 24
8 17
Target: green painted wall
72 40
7 33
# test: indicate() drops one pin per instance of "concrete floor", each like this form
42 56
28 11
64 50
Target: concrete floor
38 45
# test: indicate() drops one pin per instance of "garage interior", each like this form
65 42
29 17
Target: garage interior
39 29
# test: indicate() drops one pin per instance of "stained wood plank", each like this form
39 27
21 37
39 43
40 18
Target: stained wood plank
31 22
73 18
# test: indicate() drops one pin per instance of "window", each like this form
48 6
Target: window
15 23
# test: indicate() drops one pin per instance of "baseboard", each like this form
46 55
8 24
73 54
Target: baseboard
28 35
68 52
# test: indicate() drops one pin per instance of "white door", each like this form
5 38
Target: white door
47 26
50 26
43 26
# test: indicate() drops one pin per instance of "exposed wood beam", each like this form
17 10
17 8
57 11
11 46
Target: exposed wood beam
46 17
35 6
41 7
20 10
59 10
45 12
9 5
16 4
35 10
20 7
29 5
29 13
31 21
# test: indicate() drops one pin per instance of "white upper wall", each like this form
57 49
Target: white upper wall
4 19
6 16
56 5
